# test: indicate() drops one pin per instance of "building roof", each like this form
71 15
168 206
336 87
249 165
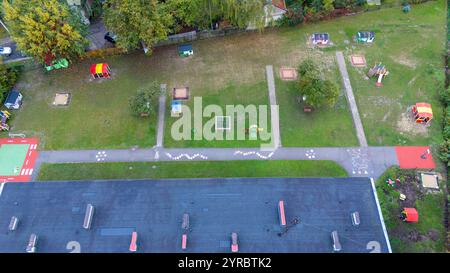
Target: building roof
216 207
12 97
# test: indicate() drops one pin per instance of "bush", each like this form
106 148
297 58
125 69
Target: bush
143 103
8 78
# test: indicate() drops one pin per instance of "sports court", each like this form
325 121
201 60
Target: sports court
415 157
17 158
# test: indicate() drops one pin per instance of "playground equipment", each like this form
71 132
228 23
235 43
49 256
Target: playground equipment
410 215
320 38
379 71
176 108
4 116
281 213
100 70
13 100
57 64
185 50
365 37
234 242
422 113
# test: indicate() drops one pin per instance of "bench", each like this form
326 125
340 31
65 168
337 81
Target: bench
13 223
336 243
32 242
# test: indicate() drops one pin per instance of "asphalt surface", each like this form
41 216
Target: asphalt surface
217 207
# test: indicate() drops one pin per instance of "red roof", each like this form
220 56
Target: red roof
279 4
411 214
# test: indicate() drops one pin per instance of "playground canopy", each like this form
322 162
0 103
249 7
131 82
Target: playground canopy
176 108
100 70
365 36
13 100
422 112
410 215
320 38
185 50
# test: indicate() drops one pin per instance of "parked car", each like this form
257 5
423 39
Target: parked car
111 37
5 51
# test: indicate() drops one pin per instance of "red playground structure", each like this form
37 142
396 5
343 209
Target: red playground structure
100 70
410 215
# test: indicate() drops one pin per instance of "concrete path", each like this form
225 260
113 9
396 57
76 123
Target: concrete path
355 160
274 113
351 100
161 113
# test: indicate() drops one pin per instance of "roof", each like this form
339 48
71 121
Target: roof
187 47
217 207
279 4
411 214
12 97
424 109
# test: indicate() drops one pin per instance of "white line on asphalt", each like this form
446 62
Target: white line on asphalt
2 185
381 215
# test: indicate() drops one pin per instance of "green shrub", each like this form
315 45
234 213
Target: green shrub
8 78
143 102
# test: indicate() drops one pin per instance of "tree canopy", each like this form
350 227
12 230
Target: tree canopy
318 92
45 29
143 102
133 22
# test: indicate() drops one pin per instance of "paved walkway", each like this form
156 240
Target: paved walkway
355 160
161 113
274 113
351 100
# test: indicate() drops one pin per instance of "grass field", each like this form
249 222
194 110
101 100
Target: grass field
428 234
193 169
231 70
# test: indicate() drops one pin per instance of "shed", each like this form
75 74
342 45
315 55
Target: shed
185 50
13 100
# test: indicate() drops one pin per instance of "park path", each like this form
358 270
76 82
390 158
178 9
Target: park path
161 113
274 113
353 159
351 100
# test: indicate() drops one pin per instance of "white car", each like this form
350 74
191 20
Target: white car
4 50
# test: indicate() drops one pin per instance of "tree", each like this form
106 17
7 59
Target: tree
146 21
317 91
328 5
45 29
143 102
8 78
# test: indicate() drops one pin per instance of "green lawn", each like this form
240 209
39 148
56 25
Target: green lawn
431 216
411 46
231 70
193 169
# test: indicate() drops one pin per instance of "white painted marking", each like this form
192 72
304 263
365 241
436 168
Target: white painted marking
29 154
22 172
381 215
26 162
2 185
31 171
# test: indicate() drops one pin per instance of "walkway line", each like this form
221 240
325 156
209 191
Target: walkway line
274 113
380 214
161 112
351 100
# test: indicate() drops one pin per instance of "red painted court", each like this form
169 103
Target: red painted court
17 159
415 157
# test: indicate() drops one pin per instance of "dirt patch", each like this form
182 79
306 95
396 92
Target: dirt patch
403 59
407 125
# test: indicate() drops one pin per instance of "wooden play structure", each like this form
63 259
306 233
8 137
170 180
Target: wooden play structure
4 116
422 113
378 71
410 215
100 70
365 37
320 39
